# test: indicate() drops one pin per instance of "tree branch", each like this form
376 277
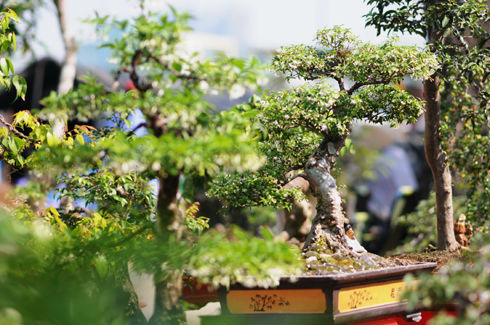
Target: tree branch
298 181
133 75
340 81
12 129
463 44
68 71
133 131
361 84
175 72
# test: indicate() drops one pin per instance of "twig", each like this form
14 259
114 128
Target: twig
361 84
133 131
175 72
133 75
130 236
13 129
340 81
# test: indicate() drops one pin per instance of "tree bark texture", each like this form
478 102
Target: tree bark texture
295 224
329 221
436 158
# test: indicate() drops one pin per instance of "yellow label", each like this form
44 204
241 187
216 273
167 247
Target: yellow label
369 295
276 301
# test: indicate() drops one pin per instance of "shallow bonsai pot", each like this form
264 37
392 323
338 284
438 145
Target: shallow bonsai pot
197 293
326 299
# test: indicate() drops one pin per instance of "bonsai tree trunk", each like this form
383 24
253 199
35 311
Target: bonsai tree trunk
329 221
295 224
170 221
436 158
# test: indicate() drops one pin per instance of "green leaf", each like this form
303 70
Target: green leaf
21 117
177 66
9 63
4 66
266 233
79 138
52 139
445 21
13 40
3 131
11 14
20 86
12 146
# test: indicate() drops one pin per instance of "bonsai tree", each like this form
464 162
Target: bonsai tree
82 249
303 130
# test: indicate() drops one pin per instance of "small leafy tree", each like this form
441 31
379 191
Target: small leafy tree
116 216
456 113
457 31
303 130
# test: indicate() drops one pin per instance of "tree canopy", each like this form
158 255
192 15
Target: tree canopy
304 129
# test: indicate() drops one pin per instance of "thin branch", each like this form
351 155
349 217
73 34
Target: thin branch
133 131
175 72
133 75
340 81
361 84
298 181
12 129
463 44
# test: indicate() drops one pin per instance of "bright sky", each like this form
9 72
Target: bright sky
253 24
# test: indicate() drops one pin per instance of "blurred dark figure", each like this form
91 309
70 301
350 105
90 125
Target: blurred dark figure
42 77
403 178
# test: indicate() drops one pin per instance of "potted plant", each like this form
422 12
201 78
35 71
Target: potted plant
302 132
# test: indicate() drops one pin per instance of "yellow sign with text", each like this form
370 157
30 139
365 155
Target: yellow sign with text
370 295
310 301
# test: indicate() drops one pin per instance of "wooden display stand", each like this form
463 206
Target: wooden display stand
368 297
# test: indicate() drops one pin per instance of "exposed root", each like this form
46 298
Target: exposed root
320 259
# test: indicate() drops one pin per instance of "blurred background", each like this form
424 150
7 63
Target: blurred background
238 27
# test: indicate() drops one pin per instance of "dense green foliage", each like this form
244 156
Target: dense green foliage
57 263
292 123
222 262
461 46
52 274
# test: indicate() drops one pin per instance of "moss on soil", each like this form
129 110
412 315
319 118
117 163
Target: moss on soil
319 259
440 257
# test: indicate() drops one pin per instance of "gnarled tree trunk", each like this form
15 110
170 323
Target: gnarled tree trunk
329 221
294 225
